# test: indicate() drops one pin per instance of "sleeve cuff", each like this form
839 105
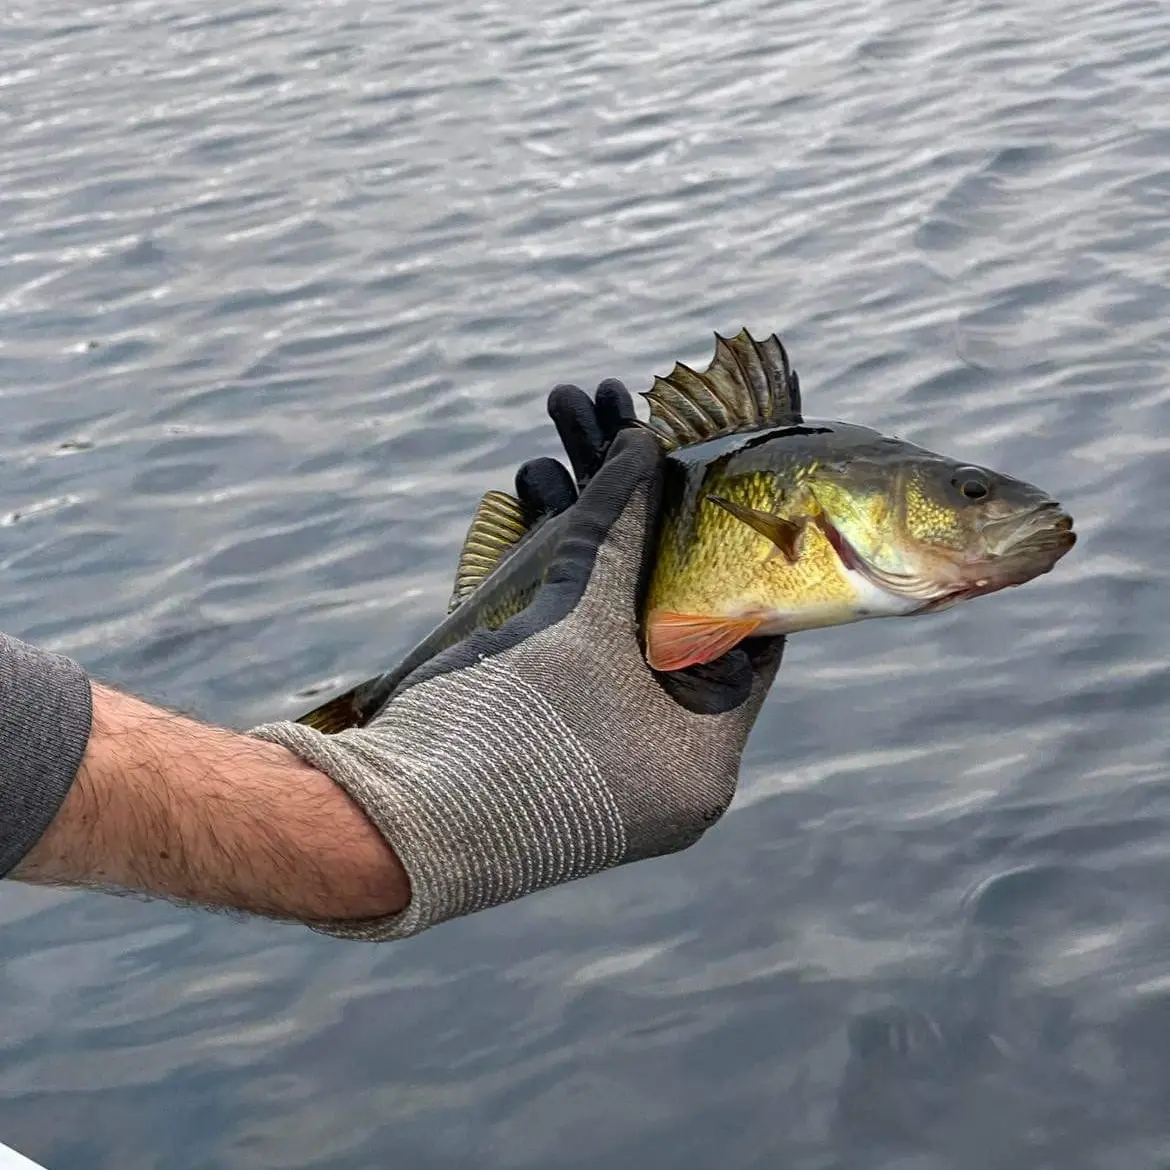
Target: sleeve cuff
46 710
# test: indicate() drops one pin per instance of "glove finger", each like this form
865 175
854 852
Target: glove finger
765 655
575 417
714 687
545 487
740 676
630 477
614 408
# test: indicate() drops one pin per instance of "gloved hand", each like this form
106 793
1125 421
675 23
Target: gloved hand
548 750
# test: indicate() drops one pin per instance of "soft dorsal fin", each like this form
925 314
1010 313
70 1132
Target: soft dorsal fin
500 521
749 384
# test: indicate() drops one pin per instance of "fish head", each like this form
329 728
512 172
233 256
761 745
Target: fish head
929 531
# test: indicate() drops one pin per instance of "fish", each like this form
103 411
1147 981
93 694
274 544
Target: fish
769 523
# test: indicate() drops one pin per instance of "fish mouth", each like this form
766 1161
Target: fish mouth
1017 549
1038 528
1020 548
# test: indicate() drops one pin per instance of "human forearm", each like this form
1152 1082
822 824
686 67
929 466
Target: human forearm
528 755
171 807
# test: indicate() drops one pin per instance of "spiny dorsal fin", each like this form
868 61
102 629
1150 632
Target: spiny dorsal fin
500 521
749 384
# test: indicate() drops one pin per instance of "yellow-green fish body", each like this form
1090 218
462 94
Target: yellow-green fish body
824 523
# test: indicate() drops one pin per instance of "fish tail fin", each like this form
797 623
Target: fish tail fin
337 714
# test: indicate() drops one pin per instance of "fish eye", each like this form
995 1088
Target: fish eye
971 483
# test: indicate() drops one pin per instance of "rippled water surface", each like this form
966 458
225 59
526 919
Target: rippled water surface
283 287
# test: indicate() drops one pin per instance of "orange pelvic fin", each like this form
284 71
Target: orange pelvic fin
678 640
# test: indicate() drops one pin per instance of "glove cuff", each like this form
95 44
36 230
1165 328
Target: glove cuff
483 792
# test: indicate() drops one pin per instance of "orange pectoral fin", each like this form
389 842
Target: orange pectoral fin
678 640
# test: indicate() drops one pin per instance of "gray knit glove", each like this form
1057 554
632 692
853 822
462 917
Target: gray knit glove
548 749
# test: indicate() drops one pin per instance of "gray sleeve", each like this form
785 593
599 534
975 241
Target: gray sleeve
45 712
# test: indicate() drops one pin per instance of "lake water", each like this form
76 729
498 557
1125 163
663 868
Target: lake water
283 287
